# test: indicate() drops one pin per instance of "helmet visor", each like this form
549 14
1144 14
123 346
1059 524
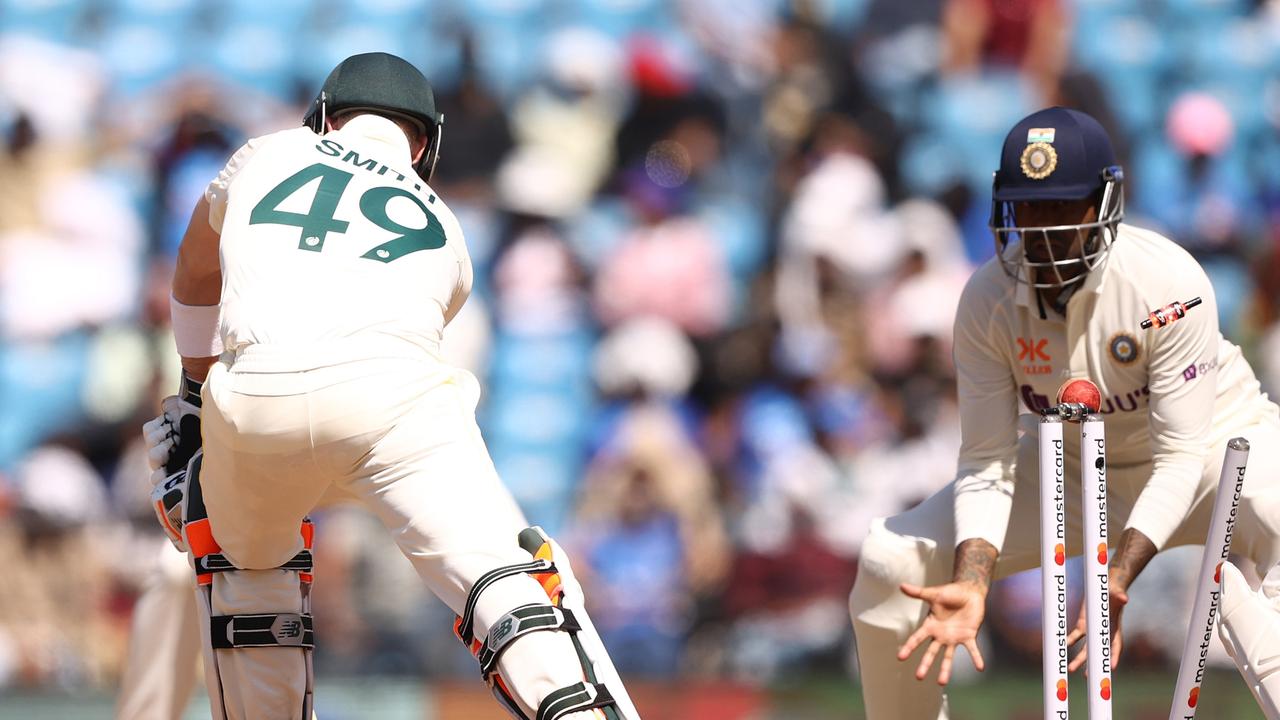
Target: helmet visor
1056 256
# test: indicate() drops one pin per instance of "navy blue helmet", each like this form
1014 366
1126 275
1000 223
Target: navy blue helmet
1055 154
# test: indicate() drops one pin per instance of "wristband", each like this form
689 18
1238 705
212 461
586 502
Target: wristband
195 329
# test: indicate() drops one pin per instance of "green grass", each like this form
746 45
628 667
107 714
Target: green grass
999 696
1138 696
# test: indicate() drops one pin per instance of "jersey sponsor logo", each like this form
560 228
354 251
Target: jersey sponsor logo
1034 401
1032 352
1125 402
1195 370
1124 348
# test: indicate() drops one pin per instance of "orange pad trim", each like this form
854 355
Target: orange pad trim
200 538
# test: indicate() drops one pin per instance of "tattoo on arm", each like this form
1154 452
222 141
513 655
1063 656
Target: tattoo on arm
1132 554
975 562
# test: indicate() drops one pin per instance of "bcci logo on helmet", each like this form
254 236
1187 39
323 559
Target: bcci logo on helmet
1039 160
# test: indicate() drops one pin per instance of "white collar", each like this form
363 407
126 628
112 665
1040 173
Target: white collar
379 129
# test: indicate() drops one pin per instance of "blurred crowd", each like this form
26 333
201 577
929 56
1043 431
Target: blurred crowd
718 245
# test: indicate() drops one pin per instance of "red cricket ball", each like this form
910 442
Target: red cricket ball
1079 390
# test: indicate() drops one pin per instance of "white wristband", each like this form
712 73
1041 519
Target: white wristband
195 329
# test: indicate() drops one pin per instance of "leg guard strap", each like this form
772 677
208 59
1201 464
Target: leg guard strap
572 699
580 668
264 630
217 562
518 623
463 628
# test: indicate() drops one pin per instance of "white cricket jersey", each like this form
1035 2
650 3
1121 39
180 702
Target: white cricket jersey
1169 394
333 237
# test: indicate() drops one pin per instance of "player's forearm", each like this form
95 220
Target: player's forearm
197 278
195 284
975 563
198 368
1132 554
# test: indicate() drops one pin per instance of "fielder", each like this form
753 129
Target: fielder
1062 299
311 292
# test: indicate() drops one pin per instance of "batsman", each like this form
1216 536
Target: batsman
312 289
1063 298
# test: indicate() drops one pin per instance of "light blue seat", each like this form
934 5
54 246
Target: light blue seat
1236 63
320 51
388 13
1200 12
542 481
1091 15
1131 58
40 384
1232 289
595 232
508 58
48 19
739 229
930 165
502 13
1157 187
561 363
256 56
169 15
529 417
287 16
620 18
138 57
973 113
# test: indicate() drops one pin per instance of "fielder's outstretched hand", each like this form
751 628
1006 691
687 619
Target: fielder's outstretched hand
1119 598
955 614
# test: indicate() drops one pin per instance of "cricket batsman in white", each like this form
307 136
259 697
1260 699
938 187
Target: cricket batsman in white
311 292
1062 299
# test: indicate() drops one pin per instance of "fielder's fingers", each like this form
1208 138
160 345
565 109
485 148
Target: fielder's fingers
1076 634
944 673
926 662
914 591
1078 660
976 654
913 642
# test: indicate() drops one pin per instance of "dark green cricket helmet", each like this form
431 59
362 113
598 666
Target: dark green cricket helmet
384 84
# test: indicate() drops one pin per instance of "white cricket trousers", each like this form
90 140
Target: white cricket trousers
397 432
918 546
164 642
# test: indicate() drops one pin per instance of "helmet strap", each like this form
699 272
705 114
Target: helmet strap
319 114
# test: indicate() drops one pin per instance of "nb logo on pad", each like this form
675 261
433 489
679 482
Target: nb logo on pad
287 629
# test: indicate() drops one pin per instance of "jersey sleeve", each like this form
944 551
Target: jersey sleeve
462 288
217 192
988 419
1183 382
